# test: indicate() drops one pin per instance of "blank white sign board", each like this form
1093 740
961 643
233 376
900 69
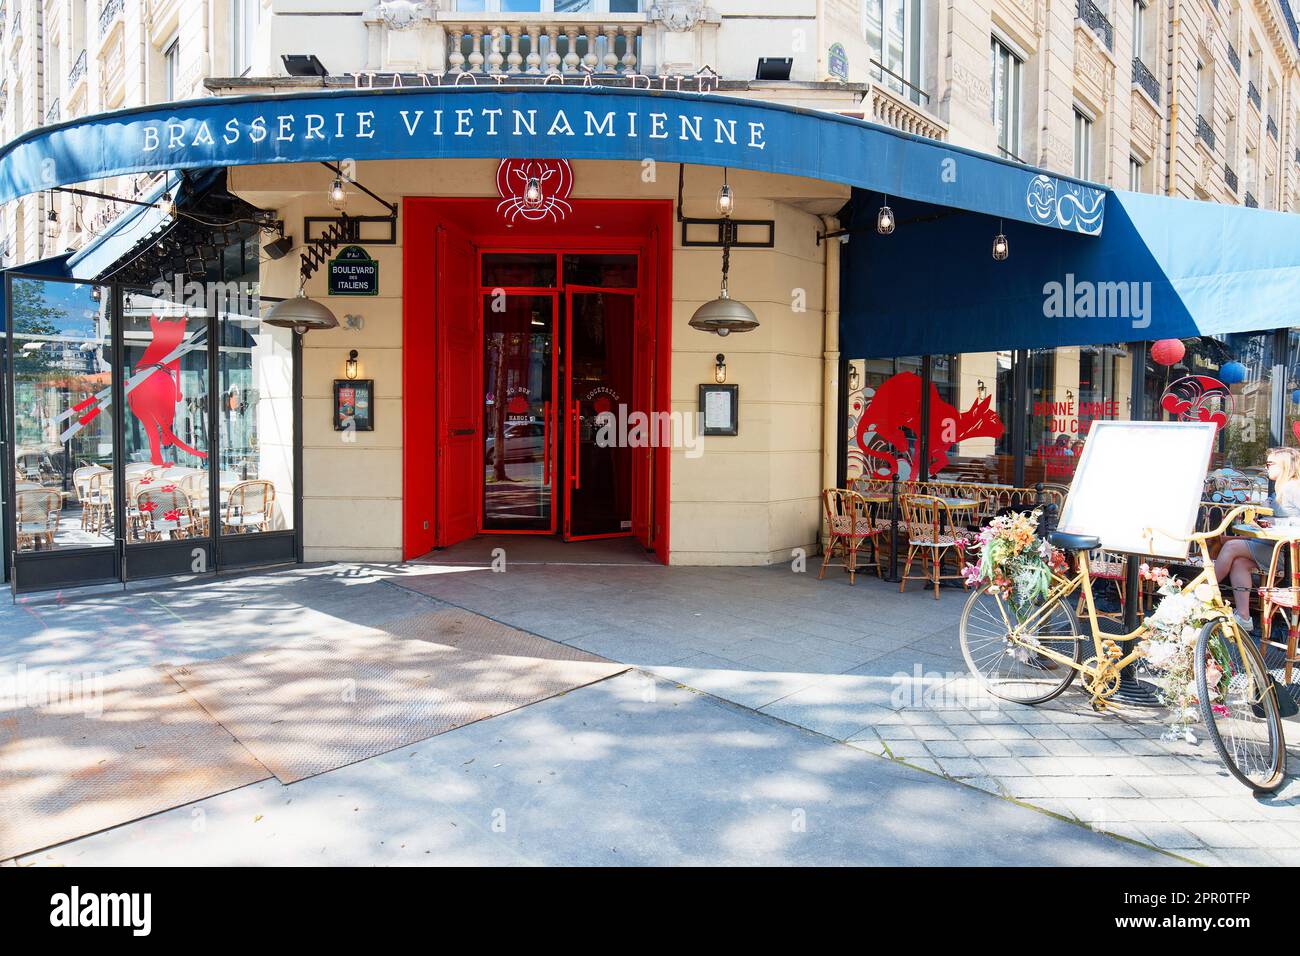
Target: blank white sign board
1138 479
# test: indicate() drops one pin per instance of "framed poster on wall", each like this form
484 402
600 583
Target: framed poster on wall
354 405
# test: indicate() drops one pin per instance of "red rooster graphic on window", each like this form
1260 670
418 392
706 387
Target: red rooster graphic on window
895 410
154 399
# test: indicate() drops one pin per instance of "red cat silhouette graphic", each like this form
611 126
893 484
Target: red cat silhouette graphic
893 420
154 400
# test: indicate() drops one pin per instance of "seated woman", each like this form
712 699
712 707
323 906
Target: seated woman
1240 558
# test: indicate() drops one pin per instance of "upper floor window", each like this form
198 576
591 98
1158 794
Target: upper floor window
171 70
1082 145
1135 174
243 24
1139 28
894 33
549 6
1006 99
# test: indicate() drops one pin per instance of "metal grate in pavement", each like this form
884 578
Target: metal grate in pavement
311 708
135 744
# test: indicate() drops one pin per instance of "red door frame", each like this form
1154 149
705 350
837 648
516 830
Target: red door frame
596 225
571 409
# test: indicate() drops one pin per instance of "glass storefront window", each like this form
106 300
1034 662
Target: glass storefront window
530 270
63 415
165 448
884 418
255 422
1069 389
969 437
1229 380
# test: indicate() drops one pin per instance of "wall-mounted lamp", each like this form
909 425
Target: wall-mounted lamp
853 377
350 366
1001 248
720 368
980 388
1069 395
338 196
726 199
51 225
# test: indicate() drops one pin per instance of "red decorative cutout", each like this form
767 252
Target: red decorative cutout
891 424
1198 398
554 185
153 400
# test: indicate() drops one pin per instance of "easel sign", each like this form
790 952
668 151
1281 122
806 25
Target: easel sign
1137 480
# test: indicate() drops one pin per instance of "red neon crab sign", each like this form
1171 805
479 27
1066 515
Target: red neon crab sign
534 189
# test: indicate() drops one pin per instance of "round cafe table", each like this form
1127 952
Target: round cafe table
1287 597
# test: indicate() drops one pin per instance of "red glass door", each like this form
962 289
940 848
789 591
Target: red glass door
519 411
599 422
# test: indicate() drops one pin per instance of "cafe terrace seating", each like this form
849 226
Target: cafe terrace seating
849 528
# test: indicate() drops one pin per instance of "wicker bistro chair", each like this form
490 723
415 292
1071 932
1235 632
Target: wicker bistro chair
848 527
1104 566
1274 598
81 486
164 513
932 534
97 503
38 518
249 507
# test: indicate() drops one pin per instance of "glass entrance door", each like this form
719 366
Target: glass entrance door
599 380
519 409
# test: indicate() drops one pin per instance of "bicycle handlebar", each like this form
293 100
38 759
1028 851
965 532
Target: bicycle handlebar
1251 512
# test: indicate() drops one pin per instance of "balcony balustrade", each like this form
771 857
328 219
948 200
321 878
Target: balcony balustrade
1230 177
1205 132
1144 78
542 48
1252 94
108 13
78 70
1093 17
890 109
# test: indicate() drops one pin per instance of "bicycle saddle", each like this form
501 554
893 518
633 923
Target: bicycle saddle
1070 541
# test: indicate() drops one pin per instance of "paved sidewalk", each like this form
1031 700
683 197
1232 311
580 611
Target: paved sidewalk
865 669
883 671
626 772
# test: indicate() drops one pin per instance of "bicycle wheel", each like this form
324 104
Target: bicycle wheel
1012 669
1244 722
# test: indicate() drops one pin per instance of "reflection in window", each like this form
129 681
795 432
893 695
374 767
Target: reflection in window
255 422
63 416
165 450
1226 379
1069 389
974 392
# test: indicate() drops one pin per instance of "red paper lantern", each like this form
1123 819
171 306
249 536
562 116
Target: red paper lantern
1168 351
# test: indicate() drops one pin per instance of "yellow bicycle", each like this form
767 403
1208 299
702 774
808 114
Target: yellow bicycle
1031 657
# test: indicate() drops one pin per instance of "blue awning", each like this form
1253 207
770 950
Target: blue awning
566 122
1163 268
127 231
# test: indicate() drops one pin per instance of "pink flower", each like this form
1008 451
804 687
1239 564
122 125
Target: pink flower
1220 710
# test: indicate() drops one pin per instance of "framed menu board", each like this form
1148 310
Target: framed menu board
720 409
354 405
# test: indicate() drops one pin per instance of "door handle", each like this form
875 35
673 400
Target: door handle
546 444
462 431
577 445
